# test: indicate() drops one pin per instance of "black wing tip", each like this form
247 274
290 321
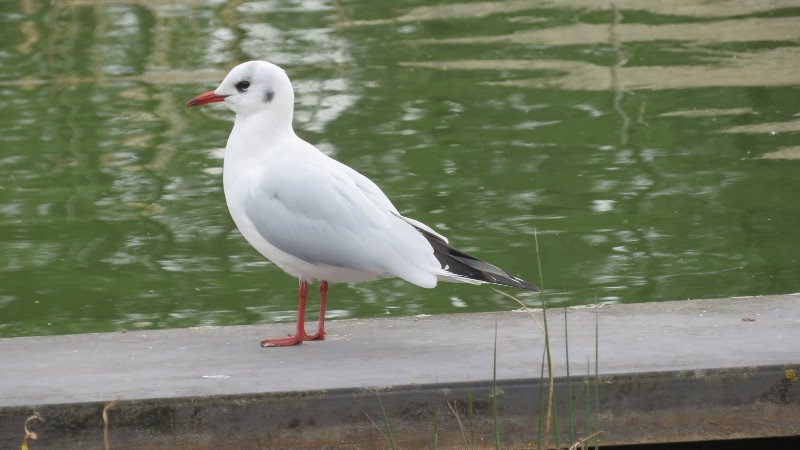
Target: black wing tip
514 282
528 286
468 266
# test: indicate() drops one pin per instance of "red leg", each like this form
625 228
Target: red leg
323 298
300 334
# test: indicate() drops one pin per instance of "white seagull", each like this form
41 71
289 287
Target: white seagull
314 217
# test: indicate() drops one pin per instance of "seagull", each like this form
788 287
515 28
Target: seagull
315 217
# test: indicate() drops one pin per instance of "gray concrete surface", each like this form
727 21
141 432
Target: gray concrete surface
757 338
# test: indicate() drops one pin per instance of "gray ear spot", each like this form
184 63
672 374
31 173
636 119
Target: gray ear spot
268 96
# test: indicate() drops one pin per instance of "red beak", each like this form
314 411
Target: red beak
208 97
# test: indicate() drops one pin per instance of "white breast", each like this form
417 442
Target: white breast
237 180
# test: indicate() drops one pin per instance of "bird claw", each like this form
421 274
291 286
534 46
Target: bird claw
293 339
283 342
318 336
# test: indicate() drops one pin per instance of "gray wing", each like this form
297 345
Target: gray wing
316 212
376 195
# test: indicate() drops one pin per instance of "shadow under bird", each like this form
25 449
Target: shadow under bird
314 217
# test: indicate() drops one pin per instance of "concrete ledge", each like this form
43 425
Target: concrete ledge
670 371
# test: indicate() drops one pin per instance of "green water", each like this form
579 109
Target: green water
656 151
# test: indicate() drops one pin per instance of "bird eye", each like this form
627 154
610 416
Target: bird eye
242 85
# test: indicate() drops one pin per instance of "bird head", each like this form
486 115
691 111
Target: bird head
251 88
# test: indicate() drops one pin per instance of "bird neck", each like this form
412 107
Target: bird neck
263 125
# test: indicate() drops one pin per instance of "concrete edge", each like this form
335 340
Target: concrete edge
674 406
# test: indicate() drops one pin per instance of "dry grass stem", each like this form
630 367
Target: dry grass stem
28 433
581 443
460 424
106 409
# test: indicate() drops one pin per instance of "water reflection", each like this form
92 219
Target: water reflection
740 30
643 146
676 8
784 153
745 69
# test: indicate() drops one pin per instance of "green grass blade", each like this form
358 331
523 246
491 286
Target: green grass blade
552 416
495 427
386 422
471 418
596 376
571 423
587 397
435 444
540 427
